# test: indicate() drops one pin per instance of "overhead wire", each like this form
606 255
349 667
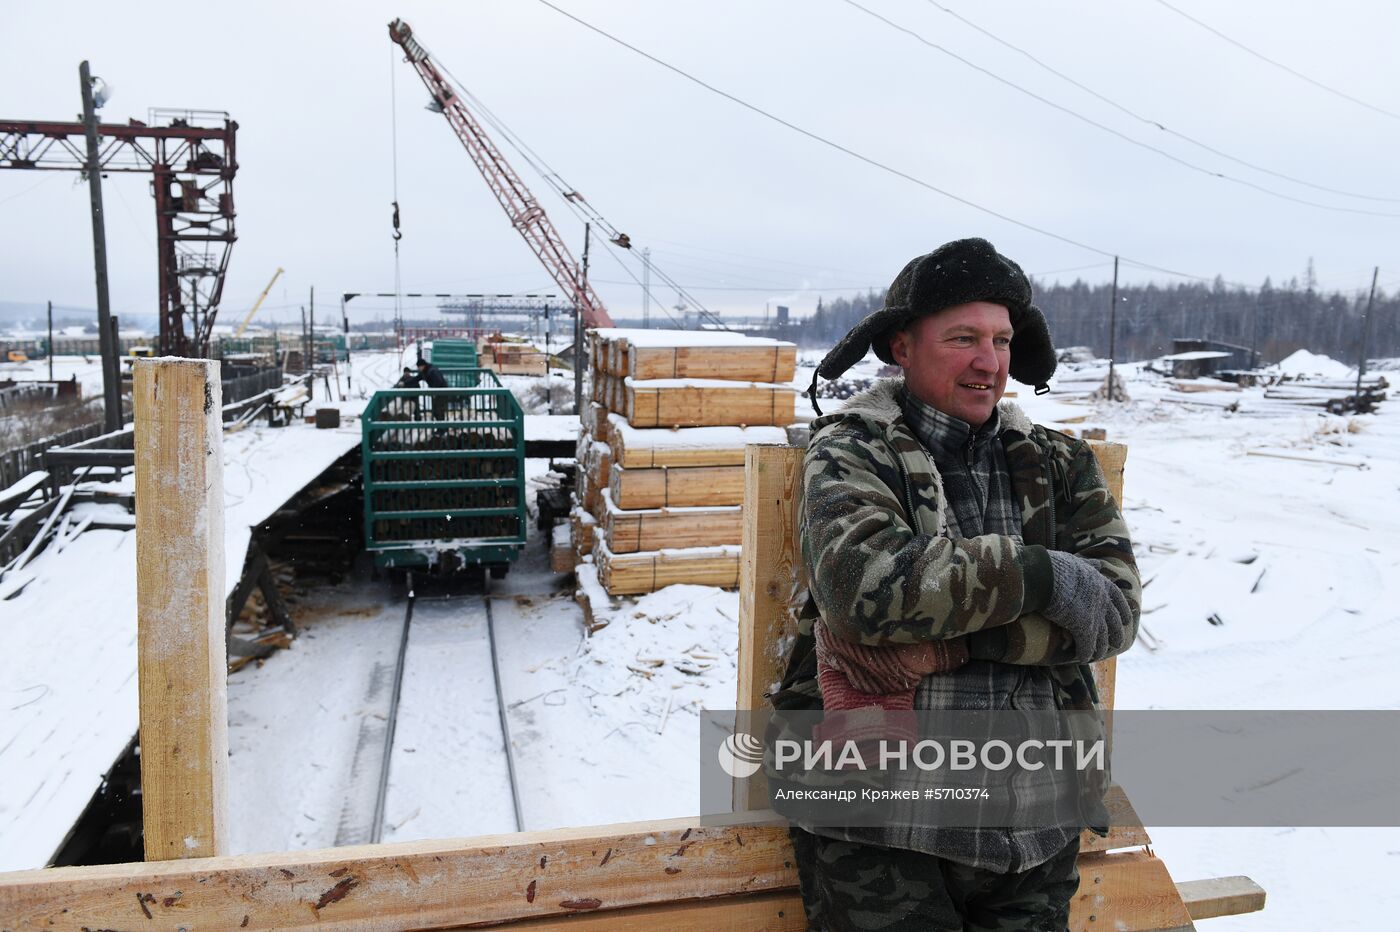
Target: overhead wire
572 199
874 163
44 178
770 259
767 289
1280 65
1149 120
1186 163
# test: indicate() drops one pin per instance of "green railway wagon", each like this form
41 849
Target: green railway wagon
468 377
444 476
455 354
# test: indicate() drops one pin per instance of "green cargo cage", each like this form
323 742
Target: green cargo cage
444 473
469 377
456 354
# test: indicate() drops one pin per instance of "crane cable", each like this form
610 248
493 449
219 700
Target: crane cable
398 234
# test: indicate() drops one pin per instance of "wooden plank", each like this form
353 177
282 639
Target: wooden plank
43 532
581 525
649 447
677 487
671 874
769 570
182 661
1126 890
762 912
756 363
1125 829
415 885
1112 457
712 405
635 531
1221 896
636 573
12 497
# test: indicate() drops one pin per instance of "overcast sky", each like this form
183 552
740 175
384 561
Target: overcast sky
733 205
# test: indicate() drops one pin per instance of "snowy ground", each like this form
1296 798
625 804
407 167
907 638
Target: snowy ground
1321 630
68 714
604 728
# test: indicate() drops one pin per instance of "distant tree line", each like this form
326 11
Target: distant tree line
1274 320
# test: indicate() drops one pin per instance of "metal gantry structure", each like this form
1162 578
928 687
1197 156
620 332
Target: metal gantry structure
520 205
192 161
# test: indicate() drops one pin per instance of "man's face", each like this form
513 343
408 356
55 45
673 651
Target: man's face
957 359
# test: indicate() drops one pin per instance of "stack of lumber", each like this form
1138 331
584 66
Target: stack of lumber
661 452
512 358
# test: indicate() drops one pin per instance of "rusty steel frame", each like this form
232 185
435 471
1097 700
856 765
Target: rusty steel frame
192 168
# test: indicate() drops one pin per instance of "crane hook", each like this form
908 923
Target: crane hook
398 235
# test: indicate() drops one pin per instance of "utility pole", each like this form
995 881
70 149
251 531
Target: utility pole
578 323
50 341
345 327
115 327
1113 330
111 384
1254 338
548 395
1366 335
311 344
646 287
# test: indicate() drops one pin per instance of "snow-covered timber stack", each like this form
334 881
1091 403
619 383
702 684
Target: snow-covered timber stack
661 452
511 358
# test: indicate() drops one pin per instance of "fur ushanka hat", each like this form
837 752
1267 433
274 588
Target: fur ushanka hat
955 273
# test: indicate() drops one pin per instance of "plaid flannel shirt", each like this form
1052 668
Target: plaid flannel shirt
977 486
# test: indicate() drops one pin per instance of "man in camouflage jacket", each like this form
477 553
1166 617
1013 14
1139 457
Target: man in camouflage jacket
1021 555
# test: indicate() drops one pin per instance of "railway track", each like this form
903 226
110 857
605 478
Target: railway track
434 742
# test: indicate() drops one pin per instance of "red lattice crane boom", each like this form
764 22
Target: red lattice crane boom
525 213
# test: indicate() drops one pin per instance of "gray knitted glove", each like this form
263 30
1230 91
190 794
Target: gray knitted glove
1088 606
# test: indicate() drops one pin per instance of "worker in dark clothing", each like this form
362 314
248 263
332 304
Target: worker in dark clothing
409 379
429 375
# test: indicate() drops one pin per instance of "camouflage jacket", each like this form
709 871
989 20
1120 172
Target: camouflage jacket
881 570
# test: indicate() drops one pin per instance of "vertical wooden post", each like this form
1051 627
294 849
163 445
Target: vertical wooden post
180 607
1112 458
768 568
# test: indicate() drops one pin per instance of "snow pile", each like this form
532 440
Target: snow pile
606 727
1303 362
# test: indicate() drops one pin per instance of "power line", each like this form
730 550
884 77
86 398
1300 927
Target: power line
1108 129
575 201
758 290
1148 120
859 156
749 255
1280 65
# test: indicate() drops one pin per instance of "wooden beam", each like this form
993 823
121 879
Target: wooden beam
1126 890
672 874
1221 896
182 662
769 565
763 912
1125 829
1112 459
415 885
